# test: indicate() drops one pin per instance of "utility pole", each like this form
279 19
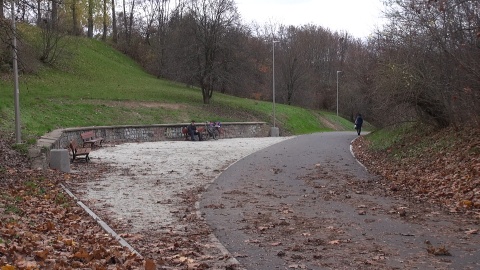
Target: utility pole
338 71
16 92
274 131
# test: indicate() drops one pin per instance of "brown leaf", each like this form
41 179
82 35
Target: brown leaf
42 254
150 265
81 254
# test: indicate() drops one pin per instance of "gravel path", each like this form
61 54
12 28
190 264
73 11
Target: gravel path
141 189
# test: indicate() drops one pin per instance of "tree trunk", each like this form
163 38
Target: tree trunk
206 96
104 33
130 23
114 23
125 25
39 12
54 17
75 29
90 19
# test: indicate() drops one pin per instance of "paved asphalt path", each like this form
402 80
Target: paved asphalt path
306 203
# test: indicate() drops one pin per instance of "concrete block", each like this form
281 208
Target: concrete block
60 160
274 132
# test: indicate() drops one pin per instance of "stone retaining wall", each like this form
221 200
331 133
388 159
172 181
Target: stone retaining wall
59 139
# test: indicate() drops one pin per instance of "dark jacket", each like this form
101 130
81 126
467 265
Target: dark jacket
191 128
359 121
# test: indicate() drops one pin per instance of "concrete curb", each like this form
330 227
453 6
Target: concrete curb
102 223
353 154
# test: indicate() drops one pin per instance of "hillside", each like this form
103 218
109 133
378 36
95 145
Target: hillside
93 84
437 167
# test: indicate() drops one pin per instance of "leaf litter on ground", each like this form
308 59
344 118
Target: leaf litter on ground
42 227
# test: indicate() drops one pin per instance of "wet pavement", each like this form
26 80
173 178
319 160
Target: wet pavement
306 203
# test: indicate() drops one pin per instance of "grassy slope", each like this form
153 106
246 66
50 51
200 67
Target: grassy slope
441 167
97 85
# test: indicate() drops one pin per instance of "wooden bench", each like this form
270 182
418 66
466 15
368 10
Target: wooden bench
201 130
89 139
79 152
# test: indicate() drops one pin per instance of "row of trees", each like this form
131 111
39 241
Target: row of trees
423 64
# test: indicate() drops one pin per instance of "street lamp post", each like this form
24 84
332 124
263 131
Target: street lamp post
274 131
338 71
18 136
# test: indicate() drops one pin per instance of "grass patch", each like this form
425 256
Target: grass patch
414 140
384 139
11 205
21 148
33 188
12 209
94 85
63 200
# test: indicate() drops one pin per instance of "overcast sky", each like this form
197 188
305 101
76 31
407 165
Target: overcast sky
358 17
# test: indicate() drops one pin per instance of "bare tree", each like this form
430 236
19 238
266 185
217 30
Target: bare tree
293 61
54 14
104 22
39 12
429 54
128 21
2 15
76 28
308 59
213 19
90 8
114 23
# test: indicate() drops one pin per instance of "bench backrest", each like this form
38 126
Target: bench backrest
199 129
87 135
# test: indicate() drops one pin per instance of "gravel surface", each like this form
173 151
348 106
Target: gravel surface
142 189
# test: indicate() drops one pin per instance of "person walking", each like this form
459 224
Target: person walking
358 123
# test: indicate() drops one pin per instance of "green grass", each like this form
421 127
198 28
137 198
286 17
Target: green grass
94 85
412 140
383 139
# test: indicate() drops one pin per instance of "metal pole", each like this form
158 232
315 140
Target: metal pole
18 136
273 79
338 71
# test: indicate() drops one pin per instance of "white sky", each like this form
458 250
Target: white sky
358 17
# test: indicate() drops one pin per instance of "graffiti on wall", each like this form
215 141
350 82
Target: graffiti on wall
173 132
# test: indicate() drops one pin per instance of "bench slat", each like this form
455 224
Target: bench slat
79 151
89 139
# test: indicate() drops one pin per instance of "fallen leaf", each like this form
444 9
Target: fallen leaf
150 265
43 254
473 231
334 242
